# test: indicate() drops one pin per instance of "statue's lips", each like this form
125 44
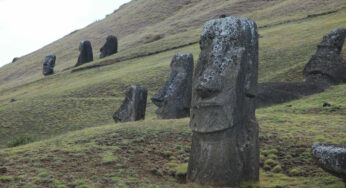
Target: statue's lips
205 104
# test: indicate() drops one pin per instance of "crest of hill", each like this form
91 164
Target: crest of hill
179 22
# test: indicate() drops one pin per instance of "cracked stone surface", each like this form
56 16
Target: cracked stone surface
225 149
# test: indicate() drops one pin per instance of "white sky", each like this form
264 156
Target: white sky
27 25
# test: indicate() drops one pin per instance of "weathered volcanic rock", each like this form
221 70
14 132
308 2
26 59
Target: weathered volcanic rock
110 47
331 158
86 53
174 98
225 150
134 105
49 64
327 66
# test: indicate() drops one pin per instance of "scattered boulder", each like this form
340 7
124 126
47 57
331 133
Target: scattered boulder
326 104
13 100
15 59
327 66
110 47
49 64
174 98
225 148
86 53
331 158
222 16
134 105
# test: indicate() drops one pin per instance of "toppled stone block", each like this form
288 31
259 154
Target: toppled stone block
49 64
327 66
110 47
331 158
134 105
174 98
225 150
86 53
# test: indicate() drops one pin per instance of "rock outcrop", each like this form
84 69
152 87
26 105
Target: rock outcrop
225 150
49 64
134 105
110 47
86 53
331 158
327 66
174 98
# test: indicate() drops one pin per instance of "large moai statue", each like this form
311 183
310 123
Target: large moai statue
327 66
174 98
134 105
331 158
110 47
225 150
49 64
86 53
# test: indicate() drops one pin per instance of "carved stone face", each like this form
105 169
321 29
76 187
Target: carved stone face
48 64
226 74
174 98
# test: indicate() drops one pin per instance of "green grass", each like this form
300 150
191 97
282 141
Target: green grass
69 115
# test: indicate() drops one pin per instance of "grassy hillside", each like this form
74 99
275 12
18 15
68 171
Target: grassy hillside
179 21
154 153
69 115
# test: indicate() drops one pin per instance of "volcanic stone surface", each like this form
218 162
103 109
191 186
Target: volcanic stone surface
331 158
49 64
110 47
86 53
225 150
134 105
327 66
174 98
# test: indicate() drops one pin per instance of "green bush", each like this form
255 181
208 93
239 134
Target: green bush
22 140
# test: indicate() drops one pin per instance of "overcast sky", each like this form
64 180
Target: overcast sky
27 25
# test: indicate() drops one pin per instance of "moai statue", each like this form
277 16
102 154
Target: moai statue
48 64
225 150
331 158
134 105
174 98
110 47
327 66
86 53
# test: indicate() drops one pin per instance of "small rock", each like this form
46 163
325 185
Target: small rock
15 59
222 16
326 104
12 100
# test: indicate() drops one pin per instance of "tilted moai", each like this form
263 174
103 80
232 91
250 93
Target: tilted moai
49 64
86 53
110 47
331 158
327 66
134 105
225 150
174 98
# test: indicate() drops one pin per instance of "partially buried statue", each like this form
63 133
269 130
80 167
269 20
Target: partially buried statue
327 66
110 47
86 53
134 105
225 150
49 64
174 98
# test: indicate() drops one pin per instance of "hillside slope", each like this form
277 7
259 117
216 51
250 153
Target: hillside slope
179 21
